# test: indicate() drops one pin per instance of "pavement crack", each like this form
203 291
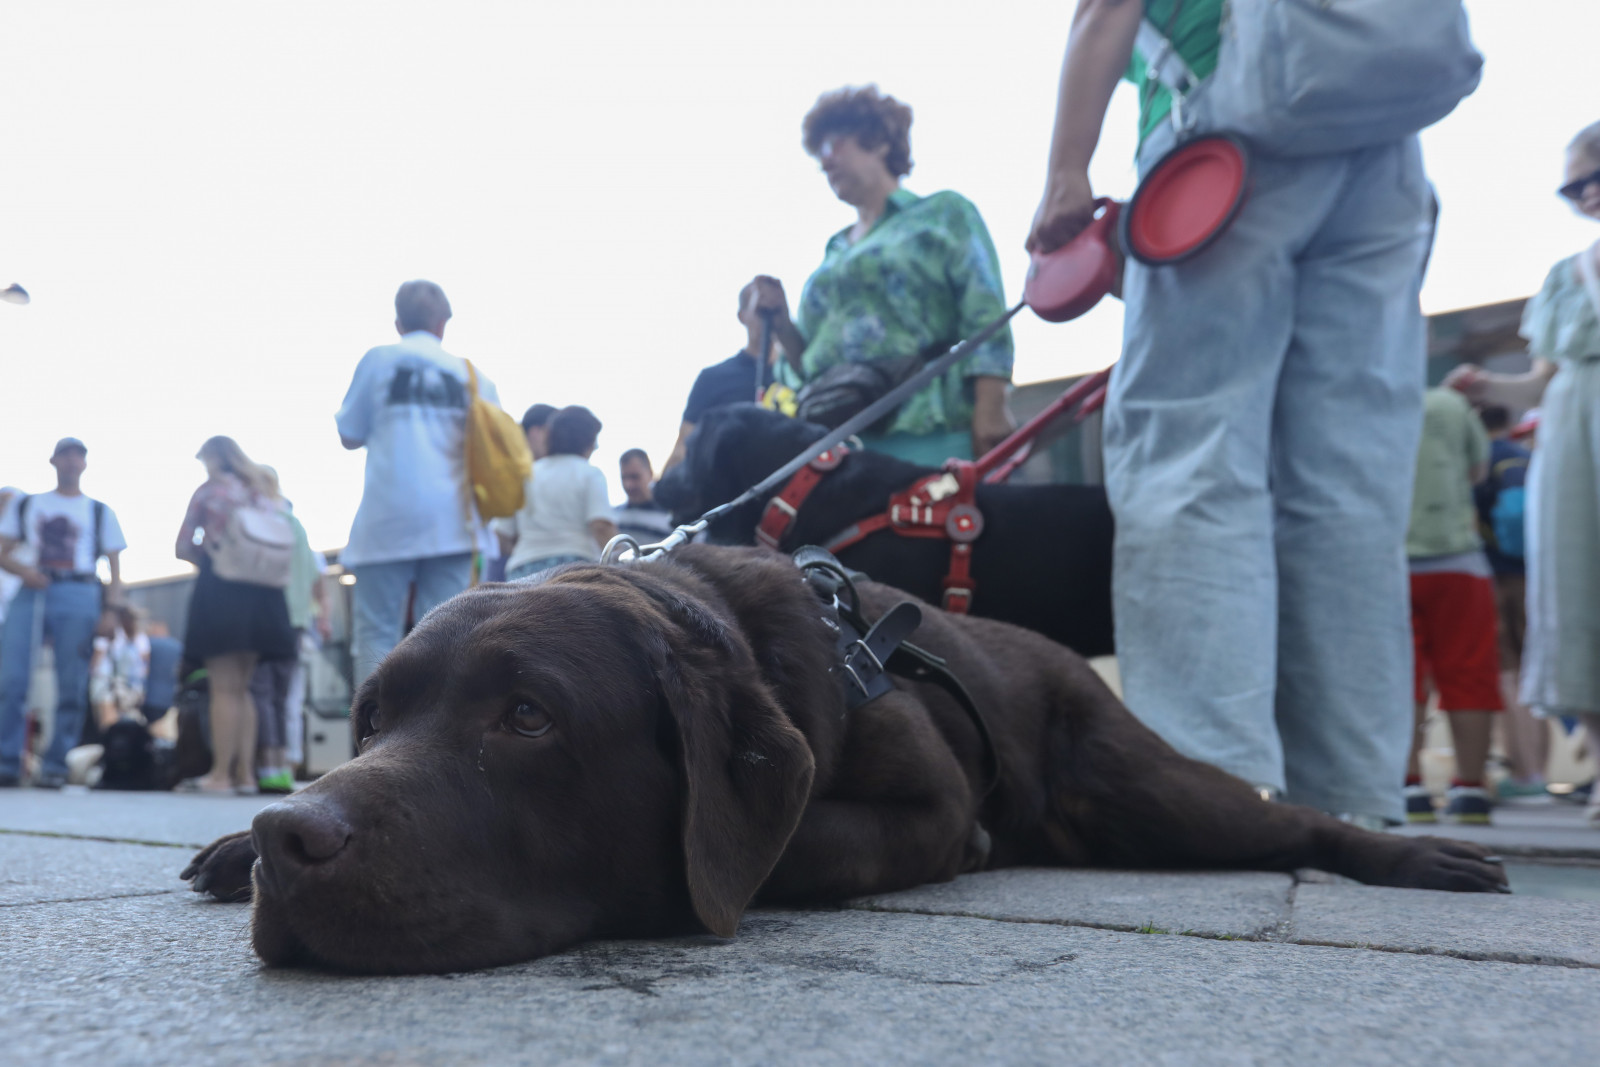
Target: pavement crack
101 838
1264 934
1523 958
93 899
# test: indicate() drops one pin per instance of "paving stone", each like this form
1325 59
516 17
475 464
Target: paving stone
40 869
171 980
1525 828
1554 878
1471 925
1247 904
175 818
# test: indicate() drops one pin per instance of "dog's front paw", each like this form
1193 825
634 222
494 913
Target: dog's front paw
222 868
1440 863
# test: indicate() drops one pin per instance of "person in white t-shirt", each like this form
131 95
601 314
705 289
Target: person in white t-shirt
566 516
416 525
53 541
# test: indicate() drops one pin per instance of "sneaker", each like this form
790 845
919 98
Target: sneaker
50 781
1510 788
1376 823
1419 804
278 784
1468 804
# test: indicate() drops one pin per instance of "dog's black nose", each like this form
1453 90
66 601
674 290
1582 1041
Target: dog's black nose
294 836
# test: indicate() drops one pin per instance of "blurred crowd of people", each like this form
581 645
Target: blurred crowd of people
259 602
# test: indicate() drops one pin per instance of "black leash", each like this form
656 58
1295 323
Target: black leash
869 654
864 418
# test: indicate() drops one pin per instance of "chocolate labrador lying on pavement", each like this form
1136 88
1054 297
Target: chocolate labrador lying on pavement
643 750
1050 538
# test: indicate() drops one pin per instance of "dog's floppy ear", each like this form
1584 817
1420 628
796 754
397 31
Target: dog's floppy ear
747 770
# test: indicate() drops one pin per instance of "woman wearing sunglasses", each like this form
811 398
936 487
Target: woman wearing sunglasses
1560 668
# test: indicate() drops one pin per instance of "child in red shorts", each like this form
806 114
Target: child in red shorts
1454 635
1454 619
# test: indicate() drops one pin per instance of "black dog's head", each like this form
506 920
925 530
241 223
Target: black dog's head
731 449
595 755
129 757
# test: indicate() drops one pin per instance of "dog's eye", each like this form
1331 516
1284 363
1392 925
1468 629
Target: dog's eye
530 721
373 718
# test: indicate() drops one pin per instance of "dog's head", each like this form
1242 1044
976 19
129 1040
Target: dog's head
128 757
731 449
595 755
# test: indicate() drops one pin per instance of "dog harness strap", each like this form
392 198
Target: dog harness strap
963 524
942 505
782 510
866 657
858 532
863 650
920 665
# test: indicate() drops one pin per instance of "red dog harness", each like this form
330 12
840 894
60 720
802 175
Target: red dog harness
941 506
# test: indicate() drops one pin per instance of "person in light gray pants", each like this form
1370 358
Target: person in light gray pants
1260 436
1260 439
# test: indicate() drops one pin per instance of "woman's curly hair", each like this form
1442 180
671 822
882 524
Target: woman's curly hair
870 117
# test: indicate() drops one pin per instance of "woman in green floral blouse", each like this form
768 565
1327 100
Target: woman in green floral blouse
1560 665
913 274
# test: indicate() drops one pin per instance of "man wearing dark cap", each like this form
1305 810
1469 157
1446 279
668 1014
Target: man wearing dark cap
53 541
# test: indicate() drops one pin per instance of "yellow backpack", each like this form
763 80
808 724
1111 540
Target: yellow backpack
498 461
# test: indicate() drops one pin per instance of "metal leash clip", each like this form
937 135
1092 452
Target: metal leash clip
624 549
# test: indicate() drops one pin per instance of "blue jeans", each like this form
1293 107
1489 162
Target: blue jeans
539 566
1260 440
379 601
71 612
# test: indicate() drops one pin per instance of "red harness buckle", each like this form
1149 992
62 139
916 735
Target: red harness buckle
782 509
942 505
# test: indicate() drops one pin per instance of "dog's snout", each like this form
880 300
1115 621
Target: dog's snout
294 836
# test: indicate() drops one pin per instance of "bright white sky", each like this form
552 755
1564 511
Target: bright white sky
212 204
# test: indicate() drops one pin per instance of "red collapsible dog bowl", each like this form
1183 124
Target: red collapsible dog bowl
1186 201
1069 281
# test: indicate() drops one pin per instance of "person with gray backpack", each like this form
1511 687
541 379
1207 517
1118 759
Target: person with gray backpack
237 532
1260 423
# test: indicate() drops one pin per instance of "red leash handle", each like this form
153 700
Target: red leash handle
1029 430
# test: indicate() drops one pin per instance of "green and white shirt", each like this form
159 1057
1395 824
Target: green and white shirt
924 277
1196 35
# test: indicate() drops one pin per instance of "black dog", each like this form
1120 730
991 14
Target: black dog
1043 560
640 750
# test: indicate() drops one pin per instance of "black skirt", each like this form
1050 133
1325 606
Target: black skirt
227 617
